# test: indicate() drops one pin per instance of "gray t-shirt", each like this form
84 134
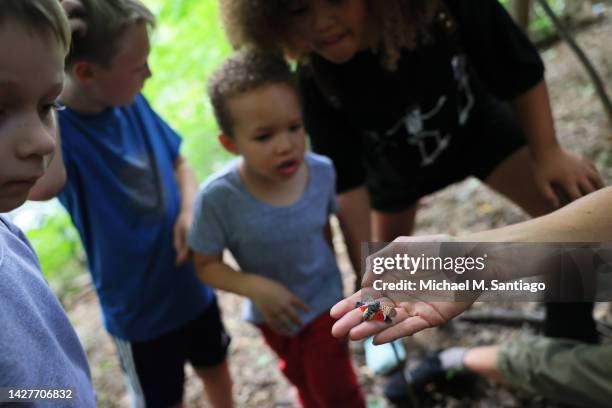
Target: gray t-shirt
38 346
283 243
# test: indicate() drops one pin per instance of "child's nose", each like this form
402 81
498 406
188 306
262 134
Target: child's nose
37 138
148 72
285 143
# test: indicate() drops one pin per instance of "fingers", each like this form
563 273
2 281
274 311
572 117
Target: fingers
182 256
595 177
280 324
296 301
291 317
345 305
585 185
407 327
550 194
349 320
352 319
571 188
369 328
180 245
74 8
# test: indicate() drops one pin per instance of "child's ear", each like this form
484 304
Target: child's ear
228 143
84 72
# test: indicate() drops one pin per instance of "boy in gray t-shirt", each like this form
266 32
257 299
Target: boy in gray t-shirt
271 209
42 363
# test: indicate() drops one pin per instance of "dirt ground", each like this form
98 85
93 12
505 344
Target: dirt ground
468 206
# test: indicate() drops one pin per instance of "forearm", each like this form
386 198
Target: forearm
221 276
187 182
533 112
354 217
585 220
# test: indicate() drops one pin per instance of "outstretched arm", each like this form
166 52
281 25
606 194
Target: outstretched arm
585 220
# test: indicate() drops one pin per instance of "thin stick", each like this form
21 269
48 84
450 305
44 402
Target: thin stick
595 78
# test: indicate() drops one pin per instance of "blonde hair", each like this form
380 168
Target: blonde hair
263 25
106 22
39 15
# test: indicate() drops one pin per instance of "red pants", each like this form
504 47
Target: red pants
318 364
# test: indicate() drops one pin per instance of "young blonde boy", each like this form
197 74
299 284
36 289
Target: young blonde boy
39 349
271 208
129 193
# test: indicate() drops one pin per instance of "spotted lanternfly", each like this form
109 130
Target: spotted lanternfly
372 310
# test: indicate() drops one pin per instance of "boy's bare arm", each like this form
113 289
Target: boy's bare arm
49 185
217 274
277 304
187 183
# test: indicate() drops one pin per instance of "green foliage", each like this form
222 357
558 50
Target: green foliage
188 44
59 250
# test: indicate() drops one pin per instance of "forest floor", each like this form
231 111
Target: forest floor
468 206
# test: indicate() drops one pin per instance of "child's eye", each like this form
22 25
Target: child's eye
263 137
295 128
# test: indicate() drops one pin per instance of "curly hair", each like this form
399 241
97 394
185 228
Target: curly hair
263 25
241 72
39 15
106 22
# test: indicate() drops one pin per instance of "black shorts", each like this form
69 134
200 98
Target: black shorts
397 178
154 369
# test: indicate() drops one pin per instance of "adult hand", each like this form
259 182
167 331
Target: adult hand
410 318
560 168
278 305
415 311
74 9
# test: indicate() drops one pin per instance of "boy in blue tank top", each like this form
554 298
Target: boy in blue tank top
129 193
42 362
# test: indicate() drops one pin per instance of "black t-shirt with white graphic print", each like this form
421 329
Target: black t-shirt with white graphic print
358 110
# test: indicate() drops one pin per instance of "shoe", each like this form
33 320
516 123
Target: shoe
428 370
429 377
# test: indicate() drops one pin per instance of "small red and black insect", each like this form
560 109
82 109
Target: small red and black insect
372 310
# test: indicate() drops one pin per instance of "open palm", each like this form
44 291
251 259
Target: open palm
411 318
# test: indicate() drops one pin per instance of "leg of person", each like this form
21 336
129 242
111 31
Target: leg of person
289 354
564 371
386 226
507 170
154 371
207 344
326 363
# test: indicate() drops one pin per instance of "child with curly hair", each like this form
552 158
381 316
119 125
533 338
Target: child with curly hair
409 96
